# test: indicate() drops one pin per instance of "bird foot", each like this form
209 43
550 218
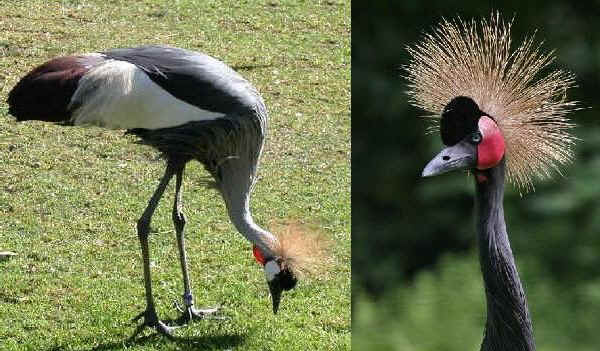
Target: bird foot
151 320
190 314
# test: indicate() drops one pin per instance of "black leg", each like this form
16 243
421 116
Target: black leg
189 312
143 228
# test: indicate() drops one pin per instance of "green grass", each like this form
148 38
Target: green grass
70 197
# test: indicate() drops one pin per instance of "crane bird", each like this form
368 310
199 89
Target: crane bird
188 106
499 112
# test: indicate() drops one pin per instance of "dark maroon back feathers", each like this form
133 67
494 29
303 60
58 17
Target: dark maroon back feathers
45 92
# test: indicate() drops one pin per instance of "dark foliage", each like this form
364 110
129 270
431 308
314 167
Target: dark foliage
402 224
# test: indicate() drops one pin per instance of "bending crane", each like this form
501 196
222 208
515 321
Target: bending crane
187 105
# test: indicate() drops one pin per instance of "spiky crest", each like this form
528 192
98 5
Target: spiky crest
302 250
474 59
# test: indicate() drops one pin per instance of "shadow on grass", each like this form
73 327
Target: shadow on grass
226 341
219 342
251 67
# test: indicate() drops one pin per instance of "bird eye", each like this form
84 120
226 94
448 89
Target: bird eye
476 137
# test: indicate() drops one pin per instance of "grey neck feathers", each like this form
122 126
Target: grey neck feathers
508 326
237 175
238 207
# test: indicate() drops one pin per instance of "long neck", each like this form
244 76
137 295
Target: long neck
235 179
238 207
508 326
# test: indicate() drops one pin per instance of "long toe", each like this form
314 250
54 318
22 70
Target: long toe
192 314
203 313
152 321
163 329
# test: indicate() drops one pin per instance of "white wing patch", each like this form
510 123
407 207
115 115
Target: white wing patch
119 95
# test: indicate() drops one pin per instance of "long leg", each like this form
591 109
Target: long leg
143 228
179 221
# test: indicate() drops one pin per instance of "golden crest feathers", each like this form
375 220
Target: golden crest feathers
303 251
527 100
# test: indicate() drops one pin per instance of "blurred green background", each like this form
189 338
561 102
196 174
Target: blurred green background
416 279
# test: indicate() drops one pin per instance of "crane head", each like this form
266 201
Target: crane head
473 140
279 276
522 95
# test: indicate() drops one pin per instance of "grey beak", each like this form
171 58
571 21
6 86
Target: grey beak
460 156
275 289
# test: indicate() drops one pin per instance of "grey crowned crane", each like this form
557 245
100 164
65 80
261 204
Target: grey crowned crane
187 105
498 116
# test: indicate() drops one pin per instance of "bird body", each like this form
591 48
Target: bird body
129 99
496 119
187 105
148 87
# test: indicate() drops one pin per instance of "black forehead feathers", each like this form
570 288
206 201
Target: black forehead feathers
459 119
288 279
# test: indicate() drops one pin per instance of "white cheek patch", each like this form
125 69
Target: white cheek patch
271 270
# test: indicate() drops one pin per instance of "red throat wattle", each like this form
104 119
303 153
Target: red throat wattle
491 149
258 255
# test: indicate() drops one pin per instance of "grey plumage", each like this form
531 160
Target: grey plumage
508 325
193 77
229 148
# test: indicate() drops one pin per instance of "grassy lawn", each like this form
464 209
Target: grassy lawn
70 197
